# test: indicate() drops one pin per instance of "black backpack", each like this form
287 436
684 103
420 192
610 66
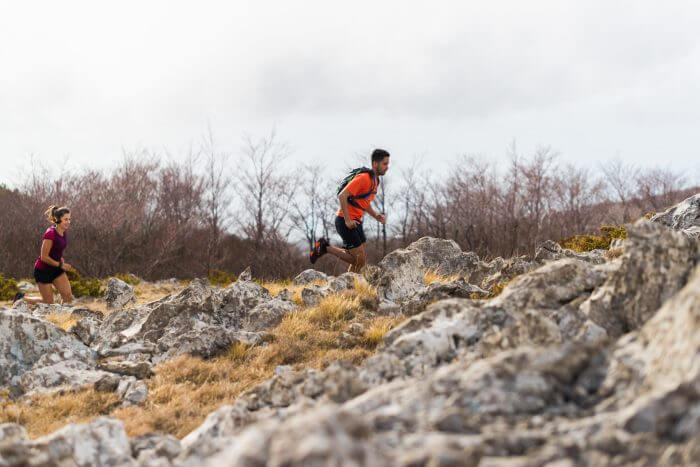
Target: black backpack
354 173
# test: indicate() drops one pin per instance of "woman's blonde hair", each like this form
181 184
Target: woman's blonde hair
55 213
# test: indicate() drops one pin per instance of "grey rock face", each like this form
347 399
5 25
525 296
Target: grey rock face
327 437
684 217
36 356
551 250
86 330
201 321
118 293
102 442
655 265
152 449
400 276
12 433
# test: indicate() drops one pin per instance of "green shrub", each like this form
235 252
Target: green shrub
583 243
129 278
221 278
84 286
8 288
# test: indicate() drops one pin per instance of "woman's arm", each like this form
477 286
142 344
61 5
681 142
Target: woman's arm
46 245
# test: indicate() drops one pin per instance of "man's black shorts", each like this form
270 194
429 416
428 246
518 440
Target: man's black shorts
352 238
48 275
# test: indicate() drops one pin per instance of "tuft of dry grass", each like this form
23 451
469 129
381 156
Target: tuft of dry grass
613 253
186 389
431 277
378 329
276 287
62 320
40 415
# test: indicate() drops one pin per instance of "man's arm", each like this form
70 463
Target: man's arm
380 217
343 198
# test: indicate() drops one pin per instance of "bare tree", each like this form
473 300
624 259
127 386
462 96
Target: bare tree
217 200
620 179
307 204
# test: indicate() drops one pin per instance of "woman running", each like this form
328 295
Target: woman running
50 268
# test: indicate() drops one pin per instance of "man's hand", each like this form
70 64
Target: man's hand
381 218
350 223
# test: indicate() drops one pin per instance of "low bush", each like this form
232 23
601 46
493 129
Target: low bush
84 286
129 278
583 243
221 278
8 288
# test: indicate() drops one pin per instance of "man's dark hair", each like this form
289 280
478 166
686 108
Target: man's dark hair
378 155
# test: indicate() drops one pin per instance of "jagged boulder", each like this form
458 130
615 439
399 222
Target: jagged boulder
327 437
118 293
684 217
656 264
155 449
36 356
402 271
102 442
201 320
550 250
308 276
400 276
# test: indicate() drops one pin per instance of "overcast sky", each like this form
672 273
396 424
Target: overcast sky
594 79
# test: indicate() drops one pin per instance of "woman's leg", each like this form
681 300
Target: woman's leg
46 291
63 285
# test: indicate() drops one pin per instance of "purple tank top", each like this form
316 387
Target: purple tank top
59 244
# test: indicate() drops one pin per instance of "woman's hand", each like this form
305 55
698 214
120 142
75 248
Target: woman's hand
66 267
350 223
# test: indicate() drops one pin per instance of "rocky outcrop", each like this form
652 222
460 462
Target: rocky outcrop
102 442
308 276
655 265
201 321
118 293
551 250
576 362
36 356
684 217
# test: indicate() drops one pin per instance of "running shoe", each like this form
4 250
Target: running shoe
320 248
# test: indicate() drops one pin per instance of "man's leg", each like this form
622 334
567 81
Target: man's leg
341 254
359 256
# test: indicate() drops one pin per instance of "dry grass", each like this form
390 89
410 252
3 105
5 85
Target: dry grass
41 415
186 389
433 277
613 253
276 287
377 329
62 320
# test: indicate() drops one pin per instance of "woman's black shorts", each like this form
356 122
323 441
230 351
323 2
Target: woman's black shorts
352 238
47 276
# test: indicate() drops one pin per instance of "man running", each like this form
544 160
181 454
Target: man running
355 199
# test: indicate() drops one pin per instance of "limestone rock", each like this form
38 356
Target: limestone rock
102 442
550 250
684 217
140 370
655 265
86 330
118 293
36 356
308 276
